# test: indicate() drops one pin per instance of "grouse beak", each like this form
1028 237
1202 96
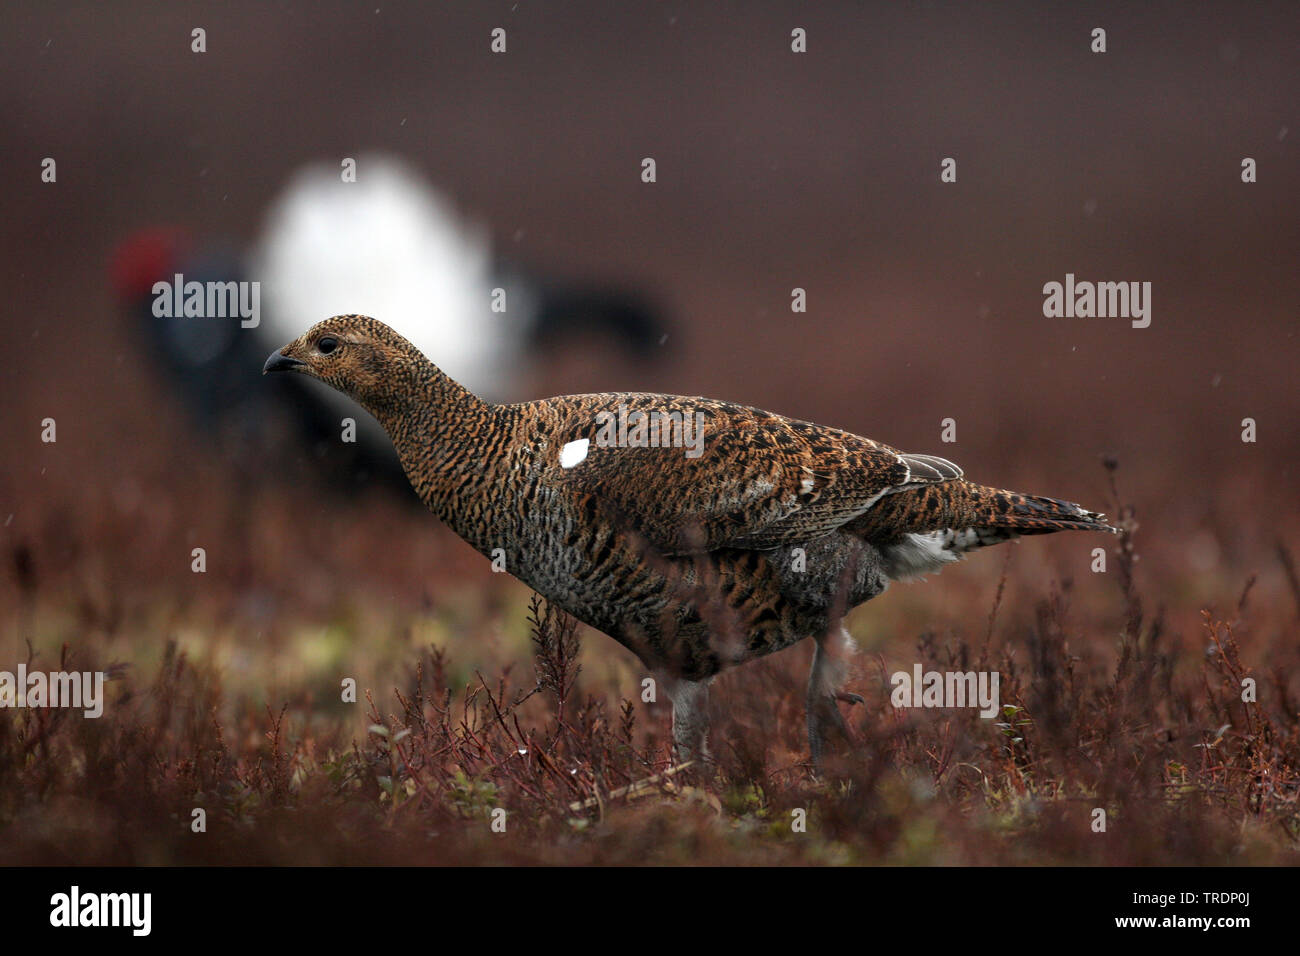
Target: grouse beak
279 362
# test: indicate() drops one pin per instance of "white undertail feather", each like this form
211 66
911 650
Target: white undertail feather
920 554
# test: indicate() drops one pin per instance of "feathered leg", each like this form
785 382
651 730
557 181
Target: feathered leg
824 683
690 718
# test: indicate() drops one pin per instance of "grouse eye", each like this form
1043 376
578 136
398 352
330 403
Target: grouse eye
327 345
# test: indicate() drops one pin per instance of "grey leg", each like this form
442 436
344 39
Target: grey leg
690 718
824 682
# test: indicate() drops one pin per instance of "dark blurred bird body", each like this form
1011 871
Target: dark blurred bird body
695 557
387 242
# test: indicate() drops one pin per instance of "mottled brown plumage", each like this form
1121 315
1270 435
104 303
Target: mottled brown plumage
760 532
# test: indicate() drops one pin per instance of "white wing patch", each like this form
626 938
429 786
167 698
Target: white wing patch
574 453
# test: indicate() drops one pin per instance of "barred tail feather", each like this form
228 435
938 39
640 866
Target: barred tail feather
925 528
1031 514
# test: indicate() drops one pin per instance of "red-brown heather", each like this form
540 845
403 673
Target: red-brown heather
1122 687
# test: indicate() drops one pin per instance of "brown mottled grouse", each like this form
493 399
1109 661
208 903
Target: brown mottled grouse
695 558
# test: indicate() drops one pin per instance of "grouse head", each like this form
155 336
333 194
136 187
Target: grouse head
360 357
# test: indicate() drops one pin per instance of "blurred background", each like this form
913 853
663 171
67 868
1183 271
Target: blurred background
775 171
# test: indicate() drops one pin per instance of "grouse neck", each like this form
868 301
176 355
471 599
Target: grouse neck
419 390
444 434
